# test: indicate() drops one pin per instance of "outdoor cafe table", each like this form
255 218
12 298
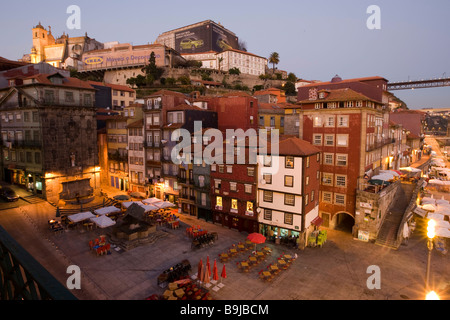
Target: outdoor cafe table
288 256
273 267
267 274
233 251
241 247
252 259
281 262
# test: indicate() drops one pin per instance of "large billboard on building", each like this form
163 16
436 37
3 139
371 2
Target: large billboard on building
126 55
208 37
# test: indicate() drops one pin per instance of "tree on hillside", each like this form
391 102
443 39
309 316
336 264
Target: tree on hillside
274 59
152 69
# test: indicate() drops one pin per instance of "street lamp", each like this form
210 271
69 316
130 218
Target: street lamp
431 233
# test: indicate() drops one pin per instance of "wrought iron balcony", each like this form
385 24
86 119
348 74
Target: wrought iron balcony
23 278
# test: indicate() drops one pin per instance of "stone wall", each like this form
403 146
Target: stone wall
371 209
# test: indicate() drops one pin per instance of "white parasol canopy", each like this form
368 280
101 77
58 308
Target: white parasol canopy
392 172
103 221
410 169
148 207
443 232
106 210
81 216
435 216
429 207
436 181
151 200
127 204
164 204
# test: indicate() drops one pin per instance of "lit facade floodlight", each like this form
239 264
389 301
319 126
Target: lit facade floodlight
432 296
431 229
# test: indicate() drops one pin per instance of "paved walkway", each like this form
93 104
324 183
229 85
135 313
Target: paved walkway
336 271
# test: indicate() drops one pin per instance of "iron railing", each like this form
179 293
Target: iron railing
24 278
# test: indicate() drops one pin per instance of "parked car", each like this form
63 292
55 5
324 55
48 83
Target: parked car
8 194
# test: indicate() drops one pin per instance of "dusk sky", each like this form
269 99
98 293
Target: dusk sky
315 39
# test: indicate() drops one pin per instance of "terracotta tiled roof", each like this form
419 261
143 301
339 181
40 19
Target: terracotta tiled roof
341 95
167 92
296 147
67 82
345 81
112 86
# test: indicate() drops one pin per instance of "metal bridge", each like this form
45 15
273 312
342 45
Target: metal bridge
419 84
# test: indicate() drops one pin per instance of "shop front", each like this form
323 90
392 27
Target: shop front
280 235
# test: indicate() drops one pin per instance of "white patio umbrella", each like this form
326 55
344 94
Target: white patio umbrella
429 207
103 221
148 207
435 216
127 204
81 216
443 232
151 200
165 204
106 210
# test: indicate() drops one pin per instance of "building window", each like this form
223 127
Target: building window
267 161
248 188
339 199
267 178
327 197
268 196
288 181
317 121
307 162
261 121
312 195
306 199
329 140
69 96
288 218
342 140
327 179
249 210
234 206
221 168
219 203
229 169
342 121
213 168
341 181
251 172
329 122
268 214
233 186
317 139
341 160
289 199
328 159
289 162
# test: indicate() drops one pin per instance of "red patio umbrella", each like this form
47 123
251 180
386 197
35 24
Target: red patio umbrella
215 271
224 273
208 266
200 266
206 275
256 238
202 273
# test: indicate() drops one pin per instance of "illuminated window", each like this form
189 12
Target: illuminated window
218 203
249 210
289 162
234 205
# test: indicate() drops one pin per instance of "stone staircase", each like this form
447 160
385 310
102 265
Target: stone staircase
387 236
